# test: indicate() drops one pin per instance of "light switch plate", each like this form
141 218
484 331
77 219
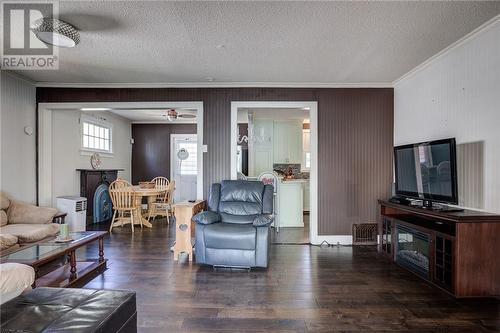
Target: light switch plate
204 148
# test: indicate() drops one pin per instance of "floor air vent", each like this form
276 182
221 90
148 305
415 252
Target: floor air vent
364 234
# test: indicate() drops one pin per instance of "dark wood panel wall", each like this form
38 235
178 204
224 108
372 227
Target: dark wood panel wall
355 138
151 149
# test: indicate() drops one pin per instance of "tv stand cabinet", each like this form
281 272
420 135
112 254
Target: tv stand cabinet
463 247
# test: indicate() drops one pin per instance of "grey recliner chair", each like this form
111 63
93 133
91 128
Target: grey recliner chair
235 231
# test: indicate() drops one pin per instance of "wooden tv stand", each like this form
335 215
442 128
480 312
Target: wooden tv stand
463 252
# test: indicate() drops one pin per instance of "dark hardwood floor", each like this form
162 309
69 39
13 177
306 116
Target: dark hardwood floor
305 289
297 236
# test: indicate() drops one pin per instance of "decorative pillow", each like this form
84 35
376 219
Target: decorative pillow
263 220
21 213
7 240
3 218
4 201
206 217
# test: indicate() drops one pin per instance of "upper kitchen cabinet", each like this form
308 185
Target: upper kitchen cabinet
261 146
287 143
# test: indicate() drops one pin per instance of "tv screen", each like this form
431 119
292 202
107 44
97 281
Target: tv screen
427 171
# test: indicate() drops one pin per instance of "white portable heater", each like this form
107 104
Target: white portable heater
76 209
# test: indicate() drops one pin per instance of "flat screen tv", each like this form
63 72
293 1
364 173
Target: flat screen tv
427 171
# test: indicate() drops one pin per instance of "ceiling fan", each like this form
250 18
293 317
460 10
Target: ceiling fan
173 115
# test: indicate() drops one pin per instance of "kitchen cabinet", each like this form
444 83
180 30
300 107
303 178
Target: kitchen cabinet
291 203
287 142
260 149
307 191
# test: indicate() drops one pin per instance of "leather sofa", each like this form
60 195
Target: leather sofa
70 310
235 231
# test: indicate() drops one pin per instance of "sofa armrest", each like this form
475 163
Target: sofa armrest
59 218
263 220
206 217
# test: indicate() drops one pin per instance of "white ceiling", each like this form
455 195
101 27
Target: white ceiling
136 115
258 42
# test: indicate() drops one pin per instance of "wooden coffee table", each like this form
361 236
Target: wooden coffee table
56 264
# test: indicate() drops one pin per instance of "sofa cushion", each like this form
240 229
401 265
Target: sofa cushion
240 208
28 233
7 240
14 279
242 190
3 218
4 201
230 236
21 213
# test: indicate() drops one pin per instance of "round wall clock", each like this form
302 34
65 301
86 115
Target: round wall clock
95 161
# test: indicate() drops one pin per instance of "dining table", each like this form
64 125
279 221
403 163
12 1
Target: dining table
150 194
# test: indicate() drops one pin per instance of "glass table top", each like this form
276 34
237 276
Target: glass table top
43 250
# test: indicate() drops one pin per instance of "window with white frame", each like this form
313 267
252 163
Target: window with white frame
96 136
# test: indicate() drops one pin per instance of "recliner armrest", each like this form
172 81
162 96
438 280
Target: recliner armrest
206 217
263 220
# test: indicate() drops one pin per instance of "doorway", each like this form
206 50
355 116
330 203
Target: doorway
136 113
281 137
184 165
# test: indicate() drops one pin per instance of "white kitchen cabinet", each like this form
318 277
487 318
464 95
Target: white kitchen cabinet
280 144
306 190
287 143
261 147
291 203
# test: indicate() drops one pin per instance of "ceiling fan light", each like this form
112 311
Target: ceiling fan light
56 32
171 115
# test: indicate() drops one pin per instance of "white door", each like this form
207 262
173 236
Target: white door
184 172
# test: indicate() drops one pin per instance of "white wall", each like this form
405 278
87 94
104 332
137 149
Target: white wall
67 155
458 95
17 152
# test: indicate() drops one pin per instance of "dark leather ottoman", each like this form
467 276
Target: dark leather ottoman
70 310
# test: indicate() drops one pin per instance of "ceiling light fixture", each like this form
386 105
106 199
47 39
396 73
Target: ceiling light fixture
56 32
171 115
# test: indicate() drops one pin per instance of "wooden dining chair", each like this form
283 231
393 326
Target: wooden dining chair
124 204
163 206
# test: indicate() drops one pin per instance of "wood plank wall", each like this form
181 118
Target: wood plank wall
355 139
151 149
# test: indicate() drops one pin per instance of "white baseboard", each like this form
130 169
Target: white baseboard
333 240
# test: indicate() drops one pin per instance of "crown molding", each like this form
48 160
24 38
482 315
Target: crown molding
18 76
473 34
215 85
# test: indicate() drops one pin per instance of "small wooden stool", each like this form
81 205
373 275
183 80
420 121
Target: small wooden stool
184 226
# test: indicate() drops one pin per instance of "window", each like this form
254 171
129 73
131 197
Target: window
96 136
189 166
308 160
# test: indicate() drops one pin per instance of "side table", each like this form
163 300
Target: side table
184 226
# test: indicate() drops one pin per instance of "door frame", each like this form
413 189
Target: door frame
44 137
172 146
313 115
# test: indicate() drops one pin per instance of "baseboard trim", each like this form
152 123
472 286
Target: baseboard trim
332 239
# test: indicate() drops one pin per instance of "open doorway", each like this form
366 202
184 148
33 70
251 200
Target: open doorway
129 140
275 138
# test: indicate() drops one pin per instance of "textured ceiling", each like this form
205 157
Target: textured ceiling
295 42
